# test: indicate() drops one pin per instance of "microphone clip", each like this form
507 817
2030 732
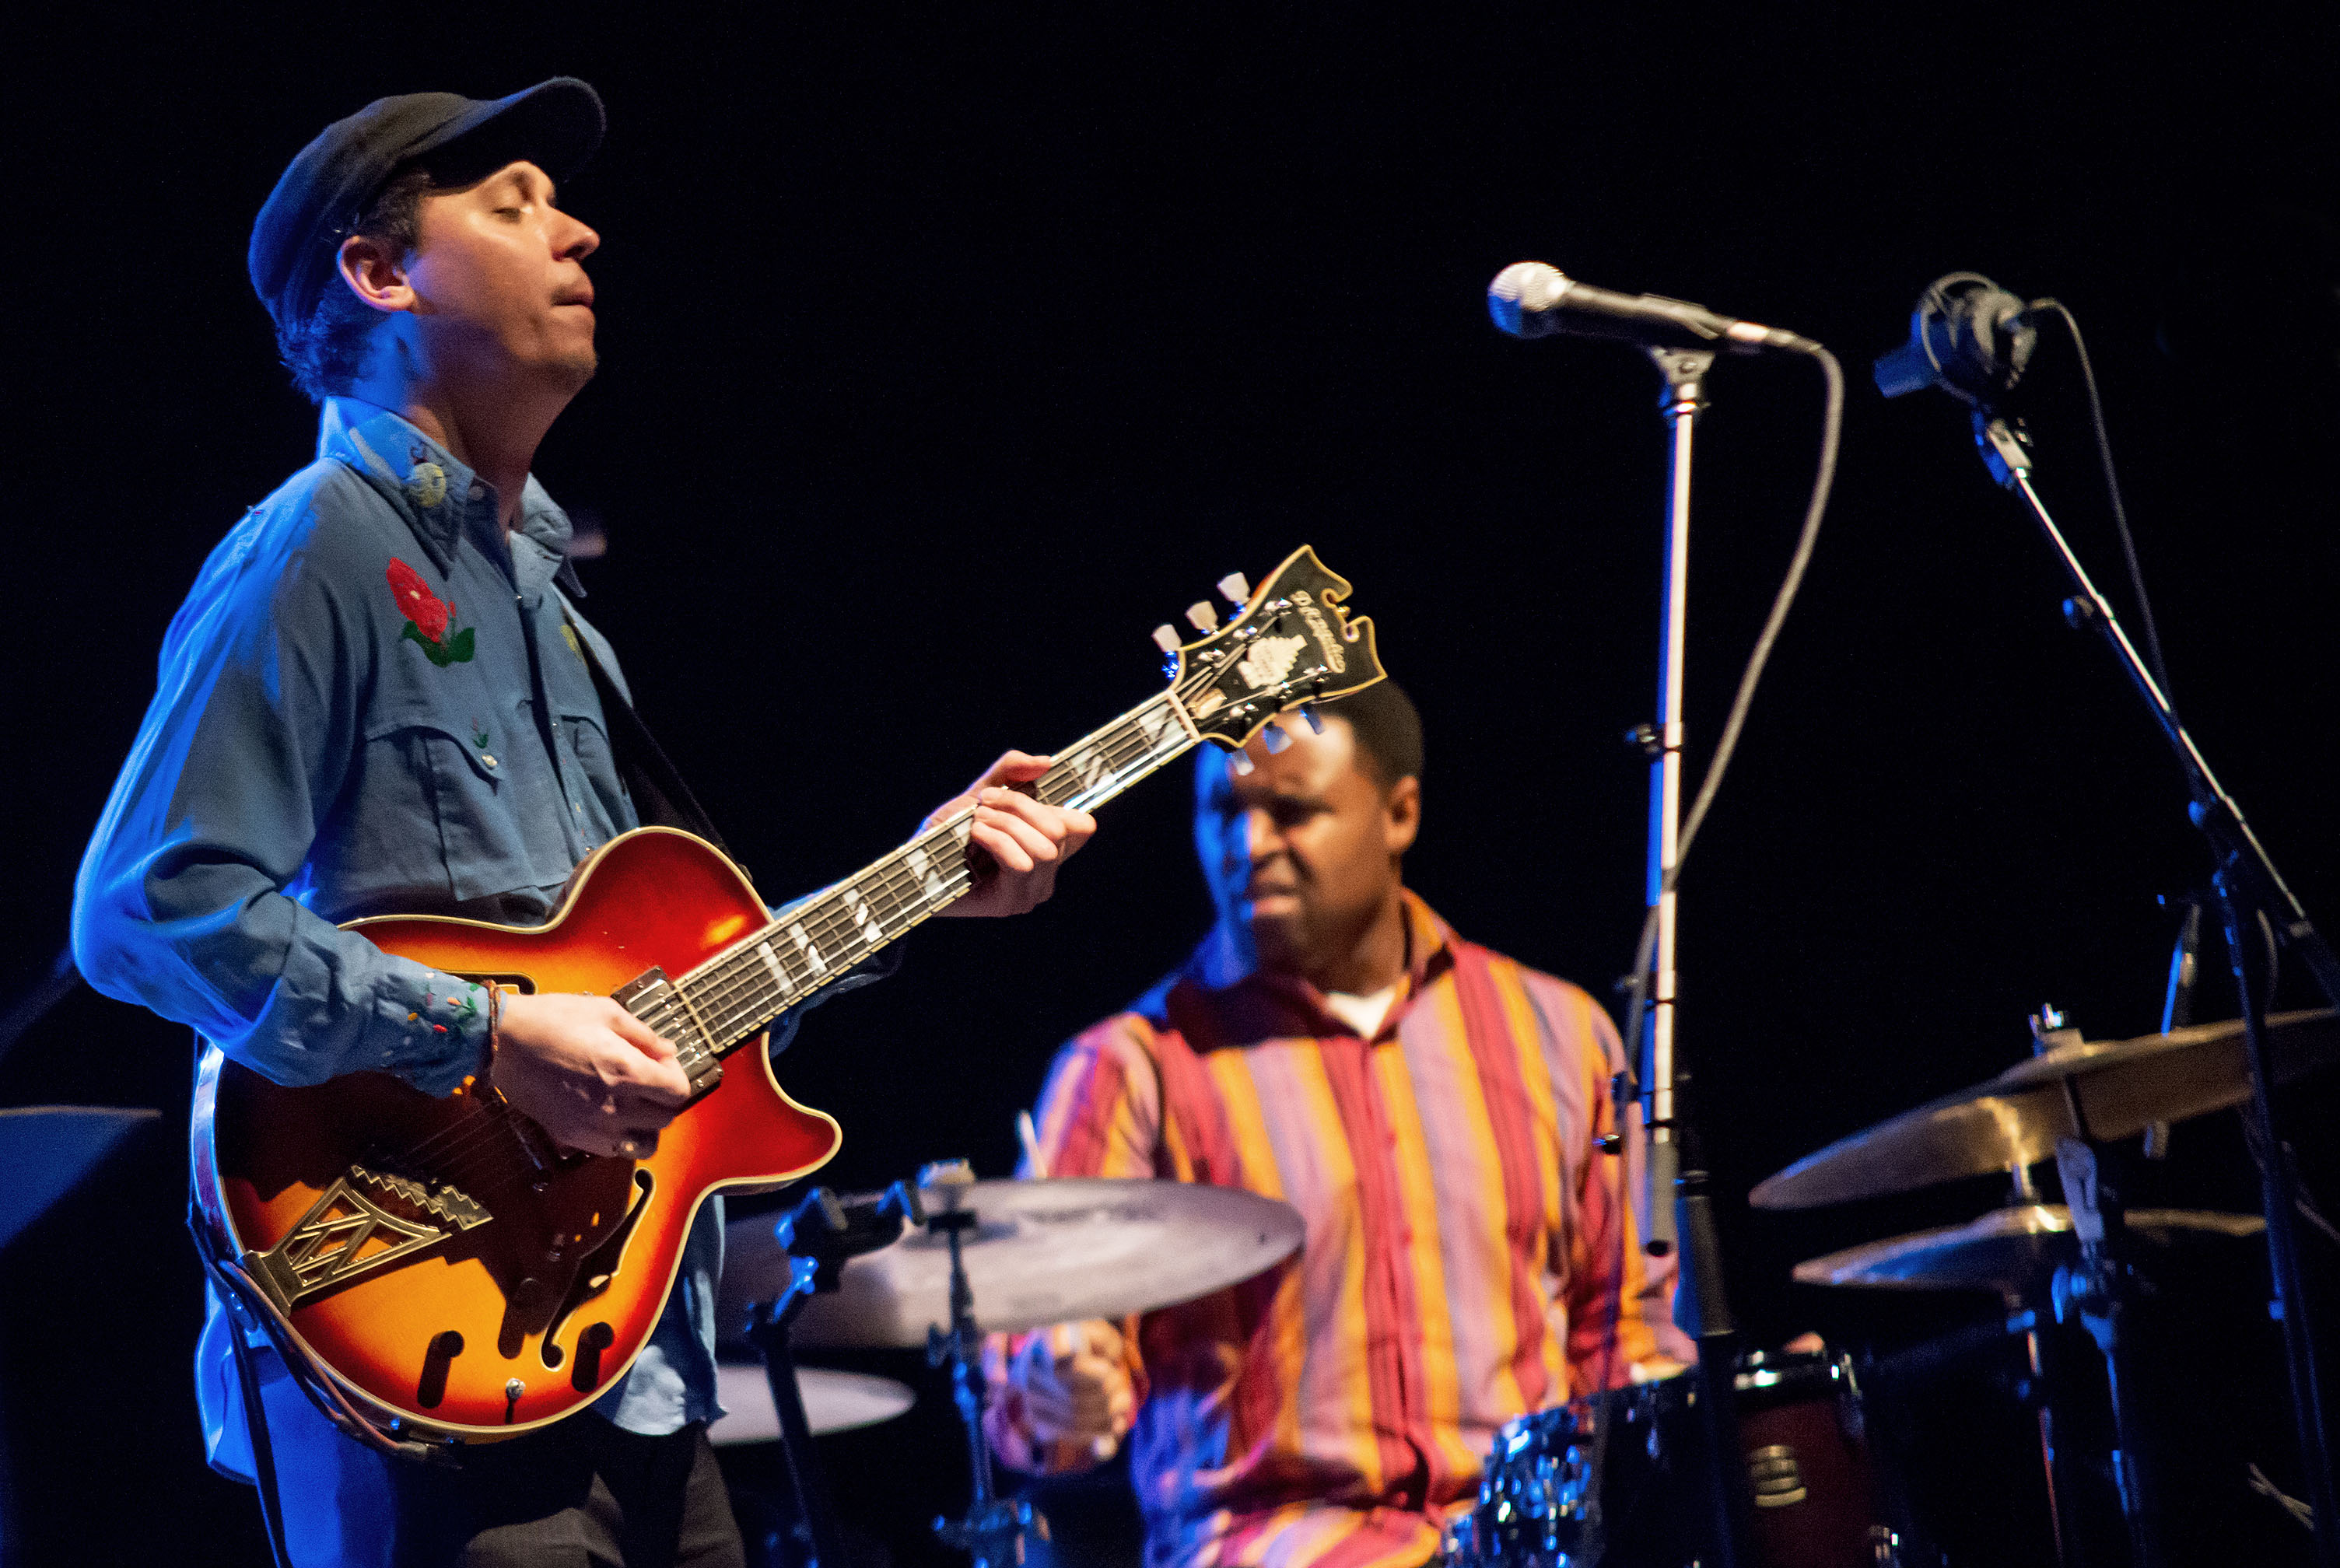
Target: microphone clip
1967 336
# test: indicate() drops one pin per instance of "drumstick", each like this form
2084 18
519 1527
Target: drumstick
1030 1137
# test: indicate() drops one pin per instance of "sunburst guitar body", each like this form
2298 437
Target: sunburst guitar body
437 1272
448 1264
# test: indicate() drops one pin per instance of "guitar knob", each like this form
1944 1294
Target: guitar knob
1274 737
1203 618
1308 711
1166 637
1237 588
1241 763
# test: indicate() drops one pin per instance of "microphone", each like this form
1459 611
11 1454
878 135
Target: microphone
1530 300
1967 336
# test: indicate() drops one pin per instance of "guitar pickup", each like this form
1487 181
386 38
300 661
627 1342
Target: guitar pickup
652 998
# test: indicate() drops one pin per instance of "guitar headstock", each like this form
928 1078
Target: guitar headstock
1291 643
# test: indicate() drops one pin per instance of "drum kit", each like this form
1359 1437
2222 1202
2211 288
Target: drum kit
1592 1482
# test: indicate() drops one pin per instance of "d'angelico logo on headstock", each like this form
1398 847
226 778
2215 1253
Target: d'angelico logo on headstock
1292 645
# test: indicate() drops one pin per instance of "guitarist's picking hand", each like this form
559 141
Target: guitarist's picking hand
594 1076
1025 839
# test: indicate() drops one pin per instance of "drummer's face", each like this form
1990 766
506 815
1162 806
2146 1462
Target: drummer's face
1302 851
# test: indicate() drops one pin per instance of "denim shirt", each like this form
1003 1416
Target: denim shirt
370 703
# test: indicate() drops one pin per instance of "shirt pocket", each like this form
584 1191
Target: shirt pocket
447 815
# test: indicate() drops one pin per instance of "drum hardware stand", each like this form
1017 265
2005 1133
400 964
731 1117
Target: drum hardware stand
819 1235
1690 1223
2247 887
2100 1290
992 1530
2040 1371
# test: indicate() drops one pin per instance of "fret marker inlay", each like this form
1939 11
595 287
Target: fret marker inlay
811 954
924 870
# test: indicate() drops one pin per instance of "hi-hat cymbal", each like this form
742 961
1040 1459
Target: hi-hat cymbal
1041 1252
2010 1250
2096 1089
833 1402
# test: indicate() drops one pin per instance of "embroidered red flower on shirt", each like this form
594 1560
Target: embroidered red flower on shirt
427 617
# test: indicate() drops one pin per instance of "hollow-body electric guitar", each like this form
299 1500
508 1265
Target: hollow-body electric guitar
437 1272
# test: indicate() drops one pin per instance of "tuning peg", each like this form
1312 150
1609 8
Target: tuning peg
1202 616
1240 763
1237 588
1166 637
1274 736
1308 711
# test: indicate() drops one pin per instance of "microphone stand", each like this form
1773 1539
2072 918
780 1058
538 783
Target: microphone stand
1690 1222
2249 891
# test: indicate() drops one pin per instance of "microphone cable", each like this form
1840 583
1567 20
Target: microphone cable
1823 483
1627 1092
2056 307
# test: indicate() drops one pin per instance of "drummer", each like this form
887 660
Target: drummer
1432 1109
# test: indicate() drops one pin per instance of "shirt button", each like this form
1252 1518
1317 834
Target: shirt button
486 758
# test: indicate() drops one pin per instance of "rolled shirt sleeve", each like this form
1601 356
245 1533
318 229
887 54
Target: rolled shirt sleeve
191 897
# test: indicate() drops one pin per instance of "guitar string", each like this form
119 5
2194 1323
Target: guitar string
1123 740
826 919
737 986
832 914
1123 743
738 994
487 1134
716 988
719 1011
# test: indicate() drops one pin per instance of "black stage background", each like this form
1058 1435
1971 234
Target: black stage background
947 350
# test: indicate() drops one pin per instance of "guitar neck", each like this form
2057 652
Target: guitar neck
732 996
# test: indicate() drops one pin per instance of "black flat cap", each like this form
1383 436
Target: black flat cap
555 124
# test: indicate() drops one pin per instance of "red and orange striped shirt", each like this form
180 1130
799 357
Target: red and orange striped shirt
1464 1243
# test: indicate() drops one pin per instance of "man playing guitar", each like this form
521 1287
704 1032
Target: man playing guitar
380 698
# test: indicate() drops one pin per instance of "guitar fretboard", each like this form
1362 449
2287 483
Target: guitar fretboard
731 997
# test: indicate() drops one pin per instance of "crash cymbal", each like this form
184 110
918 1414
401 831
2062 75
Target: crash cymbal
2010 1250
1041 1252
833 1402
2096 1089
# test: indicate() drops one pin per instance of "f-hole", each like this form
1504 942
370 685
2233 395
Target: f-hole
594 1272
432 1388
586 1375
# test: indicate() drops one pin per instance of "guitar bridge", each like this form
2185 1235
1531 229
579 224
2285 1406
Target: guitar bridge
653 998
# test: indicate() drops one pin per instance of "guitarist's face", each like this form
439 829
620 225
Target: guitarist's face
1302 852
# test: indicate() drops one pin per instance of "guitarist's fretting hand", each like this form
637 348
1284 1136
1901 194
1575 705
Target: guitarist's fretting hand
1025 839
590 1074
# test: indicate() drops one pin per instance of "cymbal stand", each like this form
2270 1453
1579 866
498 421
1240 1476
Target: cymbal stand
2248 889
1690 1219
992 1529
819 1235
2097 1290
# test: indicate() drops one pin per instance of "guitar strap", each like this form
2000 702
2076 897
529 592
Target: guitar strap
659 794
